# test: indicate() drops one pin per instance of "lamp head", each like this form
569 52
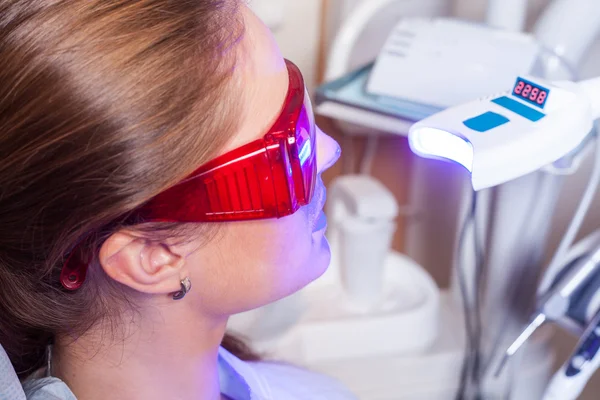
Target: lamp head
504 137
438 143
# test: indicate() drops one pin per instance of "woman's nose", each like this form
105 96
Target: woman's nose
328 151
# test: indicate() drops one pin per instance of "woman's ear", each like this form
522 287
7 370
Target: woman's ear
144 265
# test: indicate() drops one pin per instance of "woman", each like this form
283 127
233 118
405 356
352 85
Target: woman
159 172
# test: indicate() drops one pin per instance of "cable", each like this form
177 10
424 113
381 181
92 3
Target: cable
464 297
512 372
478 286
471 340
584 205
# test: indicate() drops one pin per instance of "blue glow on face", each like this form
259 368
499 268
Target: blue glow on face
437 143
305 152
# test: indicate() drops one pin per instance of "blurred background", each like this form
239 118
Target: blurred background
427 223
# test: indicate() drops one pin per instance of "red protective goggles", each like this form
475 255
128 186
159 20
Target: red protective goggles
271 177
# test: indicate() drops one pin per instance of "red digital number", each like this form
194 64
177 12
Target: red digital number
542 97
527 90
519 87
534 94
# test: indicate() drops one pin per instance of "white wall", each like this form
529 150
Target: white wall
475 9
296 26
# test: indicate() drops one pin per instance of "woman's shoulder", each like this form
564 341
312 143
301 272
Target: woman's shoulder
279 381
33 388
10 387
47 389
298 383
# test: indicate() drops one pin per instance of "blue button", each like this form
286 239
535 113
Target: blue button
485 122
519 108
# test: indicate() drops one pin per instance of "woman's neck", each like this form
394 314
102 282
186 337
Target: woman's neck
156 357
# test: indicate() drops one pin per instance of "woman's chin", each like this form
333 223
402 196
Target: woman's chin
322 258
317 265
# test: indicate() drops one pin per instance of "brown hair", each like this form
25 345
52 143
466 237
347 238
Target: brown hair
103 104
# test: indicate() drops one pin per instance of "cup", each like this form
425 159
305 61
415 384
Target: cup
364 245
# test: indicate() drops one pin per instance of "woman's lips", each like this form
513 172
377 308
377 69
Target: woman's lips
315 208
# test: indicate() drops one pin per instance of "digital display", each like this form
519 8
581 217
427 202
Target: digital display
531 93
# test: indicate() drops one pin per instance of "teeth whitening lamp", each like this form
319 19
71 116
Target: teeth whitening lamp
507 136
503 137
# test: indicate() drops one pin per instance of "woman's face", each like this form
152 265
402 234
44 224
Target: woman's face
250 264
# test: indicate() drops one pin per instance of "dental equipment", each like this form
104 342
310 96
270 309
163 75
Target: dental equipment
508 136
570 293
513 218
363 213
443 54
571 379
503 137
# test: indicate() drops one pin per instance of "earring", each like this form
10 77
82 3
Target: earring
186 286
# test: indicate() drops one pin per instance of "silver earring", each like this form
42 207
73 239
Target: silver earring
186 286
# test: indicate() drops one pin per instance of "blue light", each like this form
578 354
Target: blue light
437 143
305 152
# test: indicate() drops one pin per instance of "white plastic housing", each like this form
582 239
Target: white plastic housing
362 213
512 149
444 62
364 246
361 196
